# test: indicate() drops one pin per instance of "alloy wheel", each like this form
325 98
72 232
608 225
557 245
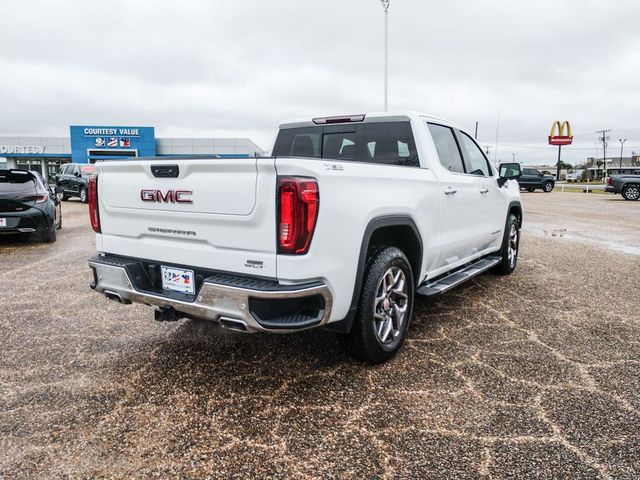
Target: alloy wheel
390 306
512 249
632 193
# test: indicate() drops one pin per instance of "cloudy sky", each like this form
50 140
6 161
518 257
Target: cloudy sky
236 68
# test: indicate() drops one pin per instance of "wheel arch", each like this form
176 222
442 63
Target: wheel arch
516 209
395 230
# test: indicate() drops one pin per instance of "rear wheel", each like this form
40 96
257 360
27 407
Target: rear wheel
510 245
385 308
58 216
631 192
548 186
50 235
83 195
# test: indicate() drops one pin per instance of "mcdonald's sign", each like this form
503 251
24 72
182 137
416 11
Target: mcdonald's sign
557 135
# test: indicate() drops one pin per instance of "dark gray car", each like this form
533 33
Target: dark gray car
532 179
626 185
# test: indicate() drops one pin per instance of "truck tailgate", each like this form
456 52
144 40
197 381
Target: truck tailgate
223 219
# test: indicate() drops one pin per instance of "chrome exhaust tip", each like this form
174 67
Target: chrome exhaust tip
233 324
115 296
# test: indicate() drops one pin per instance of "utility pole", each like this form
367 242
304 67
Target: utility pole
385 6
558 167
604 139
487 148
476 134
621 150
513 155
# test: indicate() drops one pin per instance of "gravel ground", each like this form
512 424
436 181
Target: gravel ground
535 375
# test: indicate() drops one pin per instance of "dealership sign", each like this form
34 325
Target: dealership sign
560 133
21 149
111 131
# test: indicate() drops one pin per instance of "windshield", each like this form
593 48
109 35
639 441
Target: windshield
16 180
88 169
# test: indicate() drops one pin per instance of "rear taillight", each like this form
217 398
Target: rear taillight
94 214
609 181
298 201
34 198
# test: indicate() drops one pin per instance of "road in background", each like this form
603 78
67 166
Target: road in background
532 375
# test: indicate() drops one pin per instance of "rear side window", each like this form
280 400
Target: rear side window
474 158
390 143
447 147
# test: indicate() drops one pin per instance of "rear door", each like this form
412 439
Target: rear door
462 228
213 213
488 204
74 179
529 178
63 178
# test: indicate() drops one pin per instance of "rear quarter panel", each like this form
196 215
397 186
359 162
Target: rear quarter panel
352 194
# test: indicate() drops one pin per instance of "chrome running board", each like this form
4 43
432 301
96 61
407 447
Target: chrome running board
442 284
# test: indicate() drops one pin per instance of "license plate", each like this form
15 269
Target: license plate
177 280
3 222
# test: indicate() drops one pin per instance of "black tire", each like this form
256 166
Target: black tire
84 197
50 236
394 311
531 189
548 187
508 263
58 217
631 192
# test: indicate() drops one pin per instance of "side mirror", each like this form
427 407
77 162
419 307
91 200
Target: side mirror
59 190
77 174
508 171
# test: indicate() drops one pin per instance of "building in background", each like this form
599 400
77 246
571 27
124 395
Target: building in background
615 166
88 144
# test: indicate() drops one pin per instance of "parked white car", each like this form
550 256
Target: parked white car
340 228
573 177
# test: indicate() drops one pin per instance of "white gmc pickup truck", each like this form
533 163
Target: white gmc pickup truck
340 228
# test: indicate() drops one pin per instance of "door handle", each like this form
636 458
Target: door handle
484 190
450 191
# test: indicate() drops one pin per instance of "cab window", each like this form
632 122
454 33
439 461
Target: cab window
447 147
474 158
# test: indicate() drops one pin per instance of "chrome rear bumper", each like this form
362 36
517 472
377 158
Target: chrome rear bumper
229 305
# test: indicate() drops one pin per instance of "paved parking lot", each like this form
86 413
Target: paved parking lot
535 375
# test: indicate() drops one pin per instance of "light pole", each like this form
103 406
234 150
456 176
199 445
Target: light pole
385 6
621 149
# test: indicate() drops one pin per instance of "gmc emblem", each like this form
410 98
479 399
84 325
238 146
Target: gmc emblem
172 196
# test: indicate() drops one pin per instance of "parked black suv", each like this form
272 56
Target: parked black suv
74 180
28 205
532 179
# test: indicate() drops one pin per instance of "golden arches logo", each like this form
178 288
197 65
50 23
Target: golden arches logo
558 135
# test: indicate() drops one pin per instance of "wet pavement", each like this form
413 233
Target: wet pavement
535 375
603 220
